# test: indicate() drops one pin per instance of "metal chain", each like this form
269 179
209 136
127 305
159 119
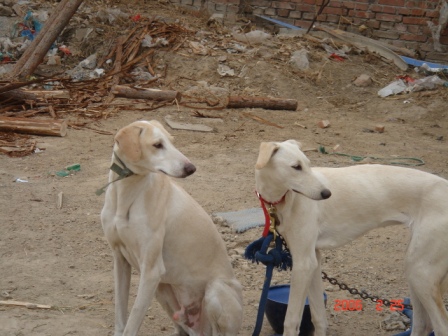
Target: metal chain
363 294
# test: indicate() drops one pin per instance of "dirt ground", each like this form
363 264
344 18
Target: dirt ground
59 257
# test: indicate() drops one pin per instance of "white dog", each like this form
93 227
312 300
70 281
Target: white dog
153 225
323 208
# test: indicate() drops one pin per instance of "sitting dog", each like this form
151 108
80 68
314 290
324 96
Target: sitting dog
153 225
323 208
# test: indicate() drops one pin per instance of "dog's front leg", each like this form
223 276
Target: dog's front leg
122 275
304 266
317 303
151 271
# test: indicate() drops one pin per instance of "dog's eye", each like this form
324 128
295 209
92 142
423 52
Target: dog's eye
297 167
158 145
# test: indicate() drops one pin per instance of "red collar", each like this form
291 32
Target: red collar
267 220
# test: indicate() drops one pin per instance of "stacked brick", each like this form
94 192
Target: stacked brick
403 23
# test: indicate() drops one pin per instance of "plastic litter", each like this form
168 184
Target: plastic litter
253 37
225 70
149 42
299 59
427 83
393 88
410 85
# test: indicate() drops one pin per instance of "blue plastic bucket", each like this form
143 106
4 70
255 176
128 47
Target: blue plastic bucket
276 306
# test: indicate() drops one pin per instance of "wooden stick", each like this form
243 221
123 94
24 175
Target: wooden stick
60 199
28 305
262 102
264 121
18 94
34 126
128 92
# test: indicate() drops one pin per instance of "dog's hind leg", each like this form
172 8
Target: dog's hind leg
426 270
168 301
421 324
317 302
122 275
223 308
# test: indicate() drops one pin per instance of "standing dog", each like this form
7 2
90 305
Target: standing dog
323 208
153 225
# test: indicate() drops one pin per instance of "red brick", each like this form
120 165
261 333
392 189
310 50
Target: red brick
309 16
361 14
414 29
376 8
386 34
322 17
417 12
401 27
349 4
444 40
432 13
388 17
333 18
305 8
387 25
417 4
398 3
335 11
414 20
336 4
361 6
413 37
373 24
283 5
282 12
389 9
311 2
403 11
295 15
302 24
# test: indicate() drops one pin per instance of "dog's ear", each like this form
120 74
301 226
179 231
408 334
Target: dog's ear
160 126
295 142
267 149
128 141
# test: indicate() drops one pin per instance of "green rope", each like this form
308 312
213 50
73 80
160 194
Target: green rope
416 161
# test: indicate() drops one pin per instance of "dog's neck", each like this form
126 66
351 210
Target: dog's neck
120 169
280 200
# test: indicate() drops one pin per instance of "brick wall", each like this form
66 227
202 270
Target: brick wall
404 23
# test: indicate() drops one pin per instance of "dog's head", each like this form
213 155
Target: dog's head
282 166
145 146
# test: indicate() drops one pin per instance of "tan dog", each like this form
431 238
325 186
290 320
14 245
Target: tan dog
153 225
325 208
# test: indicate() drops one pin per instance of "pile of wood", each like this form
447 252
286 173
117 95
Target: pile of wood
26 107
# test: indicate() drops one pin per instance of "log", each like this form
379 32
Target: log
262 102
49 33
153 94
34 126
19 95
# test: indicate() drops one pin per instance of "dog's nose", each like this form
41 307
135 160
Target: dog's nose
325 193
189 169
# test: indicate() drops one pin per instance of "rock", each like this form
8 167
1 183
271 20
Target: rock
363 81
379 128
6 11
323 124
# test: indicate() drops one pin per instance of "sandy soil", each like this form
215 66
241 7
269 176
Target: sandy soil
59 257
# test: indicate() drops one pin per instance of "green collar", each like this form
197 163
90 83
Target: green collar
121 172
